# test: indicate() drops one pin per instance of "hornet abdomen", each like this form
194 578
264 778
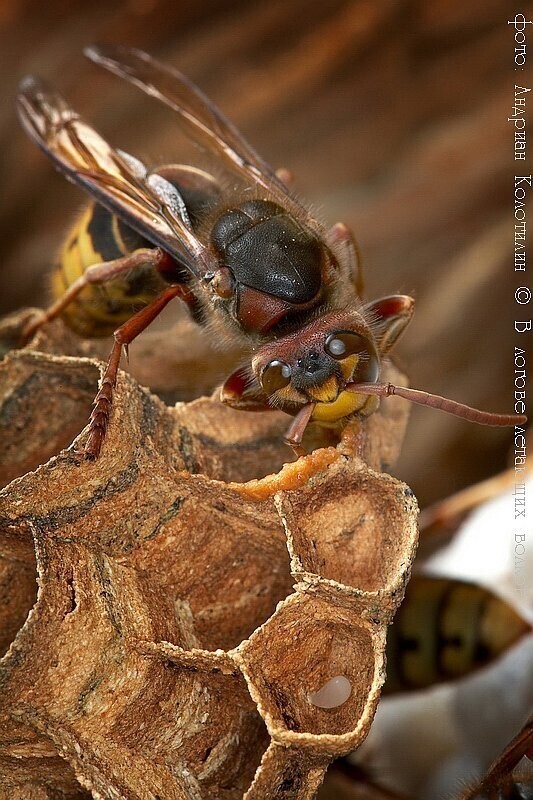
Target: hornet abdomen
444 630
99 309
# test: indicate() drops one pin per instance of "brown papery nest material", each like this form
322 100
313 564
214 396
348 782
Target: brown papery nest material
192 591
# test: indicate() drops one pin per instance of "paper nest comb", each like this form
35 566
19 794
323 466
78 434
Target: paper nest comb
168 654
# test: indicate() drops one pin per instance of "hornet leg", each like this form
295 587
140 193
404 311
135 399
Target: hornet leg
123 337
296 429
341 236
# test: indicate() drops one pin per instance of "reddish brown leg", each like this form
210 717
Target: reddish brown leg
123 337
500 771
296 429
97 273
342 237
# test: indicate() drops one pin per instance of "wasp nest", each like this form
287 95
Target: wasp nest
199 630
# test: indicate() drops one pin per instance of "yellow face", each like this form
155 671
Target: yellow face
334 403
346 403
318 373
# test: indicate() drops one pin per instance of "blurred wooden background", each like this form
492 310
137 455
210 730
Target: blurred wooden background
392 115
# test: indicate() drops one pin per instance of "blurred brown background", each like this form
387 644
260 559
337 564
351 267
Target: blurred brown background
392 115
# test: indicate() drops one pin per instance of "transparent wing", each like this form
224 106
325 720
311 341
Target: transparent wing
204 122
117 181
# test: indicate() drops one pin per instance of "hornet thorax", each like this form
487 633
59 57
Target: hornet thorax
272 262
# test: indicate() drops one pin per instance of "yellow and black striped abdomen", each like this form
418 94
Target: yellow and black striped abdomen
446 629
99 236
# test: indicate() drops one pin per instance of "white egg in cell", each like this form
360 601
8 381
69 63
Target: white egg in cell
333 694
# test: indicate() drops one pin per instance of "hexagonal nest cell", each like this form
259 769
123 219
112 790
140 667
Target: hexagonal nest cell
209 621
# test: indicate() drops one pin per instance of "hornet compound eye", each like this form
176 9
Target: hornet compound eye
276 375
342 344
